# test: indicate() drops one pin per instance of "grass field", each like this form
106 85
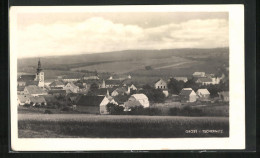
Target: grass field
100 126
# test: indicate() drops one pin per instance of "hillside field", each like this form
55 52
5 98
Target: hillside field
172 62
100 126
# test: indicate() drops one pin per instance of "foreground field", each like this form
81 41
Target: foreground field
97 126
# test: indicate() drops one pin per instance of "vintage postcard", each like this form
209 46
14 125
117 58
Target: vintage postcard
89 78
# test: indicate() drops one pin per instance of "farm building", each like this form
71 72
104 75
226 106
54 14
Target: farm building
113 83
91 76
224 96
57 83
93 104
34 90
199 74
203 94
187 95
160 84
204 81
120 91
37 100
22 99
137 100
72 87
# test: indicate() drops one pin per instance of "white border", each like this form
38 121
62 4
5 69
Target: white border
237 88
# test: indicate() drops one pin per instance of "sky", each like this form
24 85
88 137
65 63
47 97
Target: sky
47 34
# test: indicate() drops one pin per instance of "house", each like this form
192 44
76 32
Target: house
91 76
120 91
119 77
137 100
57 83
22 99
57 92
203 94
204 81
34 90
93 104
89 82
160 84
184 79
224 96
25 78
37 100
187 95
71 87
71 77
199 74
113 83
165 92
48 82
50 99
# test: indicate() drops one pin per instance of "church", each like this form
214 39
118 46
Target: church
36 79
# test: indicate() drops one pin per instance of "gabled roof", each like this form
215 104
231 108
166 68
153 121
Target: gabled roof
24 78
121 90
186 91
56 83
140 96
39 99
101 91
203 91
127 82
36 83
90 100
50 98
72 85
32 89
91 81
160 80
53 91
23 98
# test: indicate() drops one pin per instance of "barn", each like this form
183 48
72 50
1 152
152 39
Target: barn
187 95
137 100
203 94
93 104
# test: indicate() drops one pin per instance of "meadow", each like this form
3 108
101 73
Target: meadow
123 126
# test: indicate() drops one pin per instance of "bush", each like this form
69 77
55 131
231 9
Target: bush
65 109
47 112
114 109
186 111
27 105
140 110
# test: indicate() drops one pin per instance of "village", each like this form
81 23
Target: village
116 94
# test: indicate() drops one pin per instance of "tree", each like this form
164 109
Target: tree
114 109
175 86
155 95
191 83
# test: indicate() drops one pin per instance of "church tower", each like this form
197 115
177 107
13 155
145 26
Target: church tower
40 75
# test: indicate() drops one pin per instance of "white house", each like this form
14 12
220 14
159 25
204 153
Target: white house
203 94
137 100
72 87
160 84
187 95
184 79
199 74
22 99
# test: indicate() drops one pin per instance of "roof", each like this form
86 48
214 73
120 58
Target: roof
121 90
26 78
91 81
204 79
20 88
72 85
23 98
50 98
140 96
39 99
203 91
180 78
90 100
89 74
32 89
113 82
160 80
186 88
57 91
127 82
101 91
186 92
36 83
56 83
56 88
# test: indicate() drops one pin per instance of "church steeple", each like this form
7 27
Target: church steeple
39 69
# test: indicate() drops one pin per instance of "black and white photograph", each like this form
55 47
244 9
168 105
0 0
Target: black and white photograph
124 73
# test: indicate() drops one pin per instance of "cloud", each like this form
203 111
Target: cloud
97 34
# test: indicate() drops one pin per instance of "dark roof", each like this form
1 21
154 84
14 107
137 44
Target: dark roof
56 88
90 100
185 92
57 91
101 91
50 98
121 90
127 82
20 88
56 83
91 81
113 82
36 83
32 89
26 78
